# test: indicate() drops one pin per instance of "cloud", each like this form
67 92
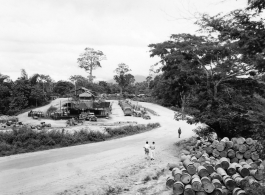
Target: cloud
47 36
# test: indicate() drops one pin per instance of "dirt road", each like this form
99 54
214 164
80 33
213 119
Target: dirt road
85 169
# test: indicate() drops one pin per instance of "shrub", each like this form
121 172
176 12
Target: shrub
24 139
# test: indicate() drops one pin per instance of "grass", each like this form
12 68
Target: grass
25 139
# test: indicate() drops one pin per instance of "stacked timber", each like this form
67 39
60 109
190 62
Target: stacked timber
200 174
237 150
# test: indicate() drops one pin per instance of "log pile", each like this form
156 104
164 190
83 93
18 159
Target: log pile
237 150
229 171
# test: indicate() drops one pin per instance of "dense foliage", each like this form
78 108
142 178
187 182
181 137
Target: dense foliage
217 76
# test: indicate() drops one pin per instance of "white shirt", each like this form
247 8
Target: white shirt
146 146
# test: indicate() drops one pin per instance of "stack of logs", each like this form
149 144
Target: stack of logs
204 172
237 150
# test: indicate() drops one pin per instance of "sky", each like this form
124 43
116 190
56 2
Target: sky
47 36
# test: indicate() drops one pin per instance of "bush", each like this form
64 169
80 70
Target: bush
24 139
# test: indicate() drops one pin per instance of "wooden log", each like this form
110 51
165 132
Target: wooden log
254 156
189 166
196 183
254 165
229 144
225 162
240 140
234 140
235 147
193 159
171 166
258 175
217 183
231 169
176 173
220 146
241 192
249 141
196 164
247 154
207 185
231 153
188 190
229 183
216 153
241 182
185 178
234 192
253 182
234 160
239 155
215 175
183 157
242 148
169 183
223 153
209 149
217 191
209 167
244 172
225 190
178 188
214 144
225 139
202 171
249 161
241 160
221 171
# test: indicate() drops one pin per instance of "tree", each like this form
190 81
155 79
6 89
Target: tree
207 68
63 87
90 60
122 77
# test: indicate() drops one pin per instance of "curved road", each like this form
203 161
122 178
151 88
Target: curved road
53 171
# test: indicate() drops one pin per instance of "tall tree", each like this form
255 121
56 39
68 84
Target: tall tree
90 60
122 77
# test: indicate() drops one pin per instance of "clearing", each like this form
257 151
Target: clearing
93 168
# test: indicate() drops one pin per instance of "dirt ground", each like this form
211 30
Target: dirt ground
116 116
116 165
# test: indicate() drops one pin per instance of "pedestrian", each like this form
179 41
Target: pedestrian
152 151
179 131
146 149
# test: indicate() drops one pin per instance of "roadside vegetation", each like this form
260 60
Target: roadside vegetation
24 139
217 75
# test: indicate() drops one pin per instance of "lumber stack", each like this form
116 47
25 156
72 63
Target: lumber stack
237 150
202 172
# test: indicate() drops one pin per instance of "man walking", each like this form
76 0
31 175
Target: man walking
179 131
146 149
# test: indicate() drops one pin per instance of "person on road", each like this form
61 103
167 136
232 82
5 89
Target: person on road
179 131
146 150
152 151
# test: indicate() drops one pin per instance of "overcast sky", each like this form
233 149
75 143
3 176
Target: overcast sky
47 36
